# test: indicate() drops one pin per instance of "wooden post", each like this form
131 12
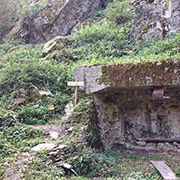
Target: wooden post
75 84
76 94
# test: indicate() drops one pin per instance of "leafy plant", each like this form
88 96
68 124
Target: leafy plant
119 11
25 66
30 114
92 163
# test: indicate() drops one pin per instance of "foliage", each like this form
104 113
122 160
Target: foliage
100 41
119 11
154 49
18 137
25 66
123 50
39 170
92 163
111 164
5 46
140 176
30 114
169 46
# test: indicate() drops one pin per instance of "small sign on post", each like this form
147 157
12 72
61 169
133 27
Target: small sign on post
75 84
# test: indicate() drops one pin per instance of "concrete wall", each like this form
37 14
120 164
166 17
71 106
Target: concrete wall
127 115
134 102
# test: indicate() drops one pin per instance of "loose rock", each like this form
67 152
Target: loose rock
44 146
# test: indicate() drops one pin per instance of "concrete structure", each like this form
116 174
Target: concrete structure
138 104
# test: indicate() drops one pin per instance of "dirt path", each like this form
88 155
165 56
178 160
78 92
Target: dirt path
13 169
23 159
51 131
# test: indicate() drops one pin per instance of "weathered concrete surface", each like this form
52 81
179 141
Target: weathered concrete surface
161 73
90 76
136 101
126 115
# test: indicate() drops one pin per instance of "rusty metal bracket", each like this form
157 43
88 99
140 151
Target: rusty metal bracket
158 94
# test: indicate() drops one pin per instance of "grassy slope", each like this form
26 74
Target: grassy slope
100 42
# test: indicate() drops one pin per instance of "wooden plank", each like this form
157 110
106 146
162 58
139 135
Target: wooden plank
164 170
75 83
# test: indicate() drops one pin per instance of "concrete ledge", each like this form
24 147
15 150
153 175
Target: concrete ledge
128 75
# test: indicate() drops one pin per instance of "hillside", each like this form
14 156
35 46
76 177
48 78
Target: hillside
39 50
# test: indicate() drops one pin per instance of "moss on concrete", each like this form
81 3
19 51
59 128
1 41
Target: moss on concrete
165 72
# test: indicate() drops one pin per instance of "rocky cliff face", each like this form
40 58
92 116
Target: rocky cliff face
175 16
58 17
8 16
154 18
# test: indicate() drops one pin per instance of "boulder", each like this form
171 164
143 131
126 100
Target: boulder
52 49
44 146
30 94
19 99
34 94
54 135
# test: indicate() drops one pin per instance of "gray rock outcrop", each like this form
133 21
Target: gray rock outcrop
154 18
56 18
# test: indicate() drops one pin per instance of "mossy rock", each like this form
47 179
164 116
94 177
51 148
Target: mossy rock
53 47
16 48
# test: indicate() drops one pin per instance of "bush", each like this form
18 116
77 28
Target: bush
18 137
30 114
25 66
93 164
97 41
119 11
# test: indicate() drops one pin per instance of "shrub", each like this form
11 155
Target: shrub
24 66
30 114
104 40
93 164
19 133
19 137
119 11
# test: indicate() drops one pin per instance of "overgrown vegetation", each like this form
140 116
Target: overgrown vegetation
104 38
108 40
23 67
